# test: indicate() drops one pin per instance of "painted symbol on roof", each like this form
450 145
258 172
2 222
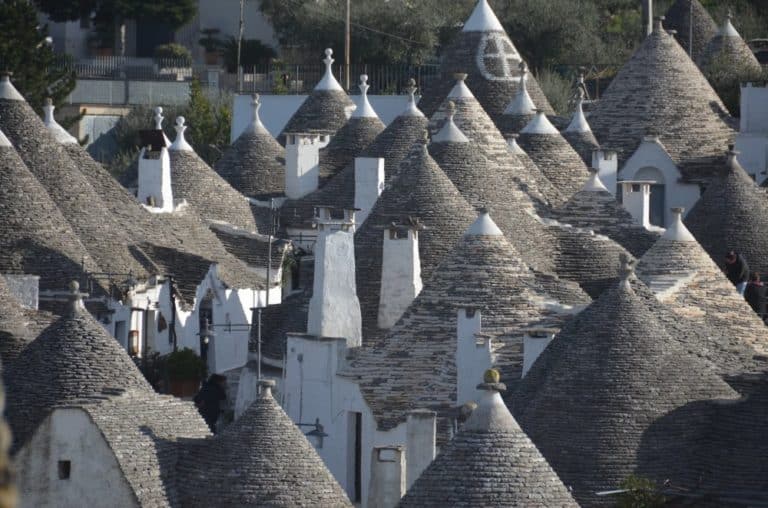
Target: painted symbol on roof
497 58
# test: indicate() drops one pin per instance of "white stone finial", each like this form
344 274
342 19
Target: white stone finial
159 118
450 133
728 30
677 232
540 125
180 143
75 298
513 147
483 19
256 124
411 109
626 271
594 184
329 81
364 109
58 132
522 104
460 89
7 90
483 225
579 121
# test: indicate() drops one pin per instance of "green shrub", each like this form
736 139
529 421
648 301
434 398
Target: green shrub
641 493
253 52
176 52
557 89
184 364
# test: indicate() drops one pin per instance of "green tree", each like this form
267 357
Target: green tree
640 493
209 123
38 72
113 13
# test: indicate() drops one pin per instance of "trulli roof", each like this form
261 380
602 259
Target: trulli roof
684 13
598 387
661 92
255 163
490 462
729 49
15 334
262 459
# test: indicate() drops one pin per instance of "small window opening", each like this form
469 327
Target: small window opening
65 469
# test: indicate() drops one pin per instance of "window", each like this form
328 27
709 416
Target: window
65 469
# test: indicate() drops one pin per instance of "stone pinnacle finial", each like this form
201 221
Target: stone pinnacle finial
411 109
460 76
410 89
424 138
48 101
256 105
677 211
159 118
364 86
580 95
658 23
523 67
180 143
483 210
451 110
627 270
266 386
328 60
75 297
491 382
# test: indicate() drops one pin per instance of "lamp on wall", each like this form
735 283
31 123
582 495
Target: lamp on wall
317 434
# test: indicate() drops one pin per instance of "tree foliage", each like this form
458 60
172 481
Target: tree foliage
175 13
38 72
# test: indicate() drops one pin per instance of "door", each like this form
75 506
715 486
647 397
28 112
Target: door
657 205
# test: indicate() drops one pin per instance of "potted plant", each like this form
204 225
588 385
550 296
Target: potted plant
172 55
212 45
185 371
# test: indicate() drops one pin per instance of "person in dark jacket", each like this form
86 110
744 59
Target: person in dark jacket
755 294
208 400
737 270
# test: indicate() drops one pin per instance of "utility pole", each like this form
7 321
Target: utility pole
240 47
648 16
347 38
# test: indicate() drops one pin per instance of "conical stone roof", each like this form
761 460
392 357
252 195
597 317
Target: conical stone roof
728 48
73 359
14 333
211 196
521 110
392 144
255 163
579 134
326 109
547 188
420 191
686 280
554 156
35 236
661 92
414 365
484 51
593 207
490 462
262 459
609 374
732 214
359 131
478 127
684 13
486 184
105 238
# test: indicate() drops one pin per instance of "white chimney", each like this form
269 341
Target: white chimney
473 355
334 310
636 198
606 163
302 163
420 442
400 272
387 484
535 341
369 184
155 179
754 109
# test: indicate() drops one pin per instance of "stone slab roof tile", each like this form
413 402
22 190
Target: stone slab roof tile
285 471
213 198
661 92
414 365
105 238
490 462
684 13
592 395
346 144
422 191
323 112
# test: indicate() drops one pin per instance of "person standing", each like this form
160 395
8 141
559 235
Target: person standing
755 294
208 400
737 270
